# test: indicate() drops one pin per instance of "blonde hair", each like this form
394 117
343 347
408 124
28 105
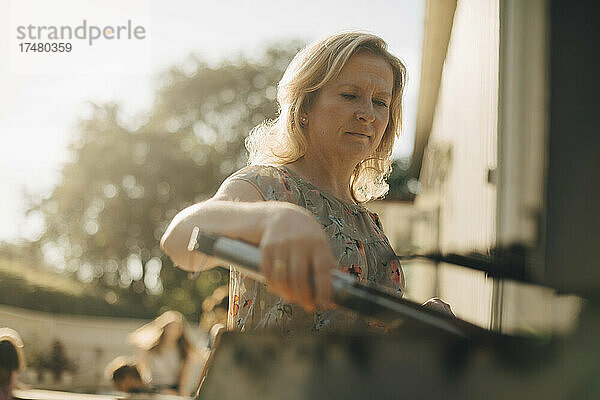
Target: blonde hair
282 141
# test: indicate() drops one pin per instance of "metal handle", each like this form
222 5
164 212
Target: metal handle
367 300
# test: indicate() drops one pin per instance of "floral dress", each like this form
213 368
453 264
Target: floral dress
356 238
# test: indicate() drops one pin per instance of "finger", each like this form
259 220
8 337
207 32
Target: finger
272 275
438 305
286 281
300 280
322 263
280 276
266 265
447 307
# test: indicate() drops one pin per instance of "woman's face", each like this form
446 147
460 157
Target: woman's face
350 113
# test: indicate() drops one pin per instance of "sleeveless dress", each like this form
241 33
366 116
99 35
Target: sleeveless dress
356 238
165 367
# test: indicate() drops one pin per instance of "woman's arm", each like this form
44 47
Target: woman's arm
190 370
144 367
288 236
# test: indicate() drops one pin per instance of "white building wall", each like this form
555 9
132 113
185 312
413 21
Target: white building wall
457 208
91 342
460 153
465 123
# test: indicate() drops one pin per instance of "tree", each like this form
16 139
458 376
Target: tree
402 187
128 178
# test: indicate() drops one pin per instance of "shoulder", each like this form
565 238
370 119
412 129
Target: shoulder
271 182
256 172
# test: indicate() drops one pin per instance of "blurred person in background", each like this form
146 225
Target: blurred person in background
301 198
12 360
214 308
126 376
168 353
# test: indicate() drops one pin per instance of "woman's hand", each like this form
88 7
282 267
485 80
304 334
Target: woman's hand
174 244
437 304
296 257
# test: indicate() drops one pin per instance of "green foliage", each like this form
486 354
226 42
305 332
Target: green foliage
129 177
55 361
58 361
399 181
35 289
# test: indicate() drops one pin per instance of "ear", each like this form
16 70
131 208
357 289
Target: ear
303 120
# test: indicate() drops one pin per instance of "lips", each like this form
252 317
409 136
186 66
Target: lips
359 134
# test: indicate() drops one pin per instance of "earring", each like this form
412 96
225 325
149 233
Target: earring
303 120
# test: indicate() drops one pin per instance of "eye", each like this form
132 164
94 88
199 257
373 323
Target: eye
380 103
348 96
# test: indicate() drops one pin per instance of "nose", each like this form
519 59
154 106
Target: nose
365 113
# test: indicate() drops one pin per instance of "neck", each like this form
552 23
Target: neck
333 179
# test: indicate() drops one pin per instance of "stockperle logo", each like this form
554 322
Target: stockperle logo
91 33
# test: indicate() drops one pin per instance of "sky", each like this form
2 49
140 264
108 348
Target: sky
43 95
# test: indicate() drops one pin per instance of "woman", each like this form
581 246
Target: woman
167 352
12 361
300 199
